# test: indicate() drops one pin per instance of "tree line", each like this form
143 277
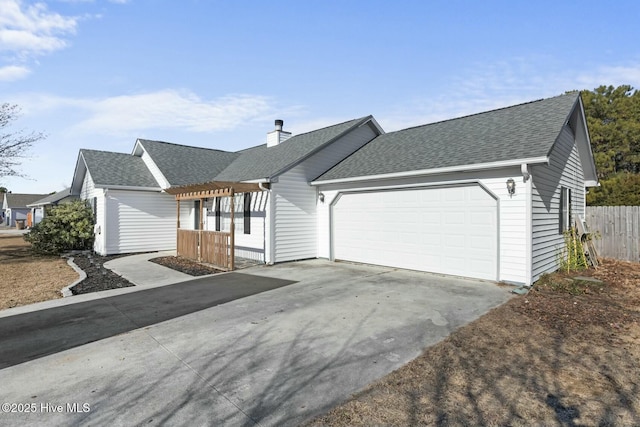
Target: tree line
613 118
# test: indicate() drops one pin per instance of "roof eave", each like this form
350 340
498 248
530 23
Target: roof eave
76 186
589 170
127 187
437 171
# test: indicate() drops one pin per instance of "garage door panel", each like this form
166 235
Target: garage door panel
449 230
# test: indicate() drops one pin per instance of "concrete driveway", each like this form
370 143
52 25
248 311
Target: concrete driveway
277 357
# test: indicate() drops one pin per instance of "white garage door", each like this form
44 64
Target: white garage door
448 230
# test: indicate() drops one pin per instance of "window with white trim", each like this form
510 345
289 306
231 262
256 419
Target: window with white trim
565 209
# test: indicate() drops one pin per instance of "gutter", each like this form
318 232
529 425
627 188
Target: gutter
437 171
127 187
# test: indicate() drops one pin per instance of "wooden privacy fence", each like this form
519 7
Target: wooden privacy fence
188 244
215 248
616 231
212 247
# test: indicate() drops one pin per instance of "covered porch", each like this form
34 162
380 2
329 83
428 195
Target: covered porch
212 247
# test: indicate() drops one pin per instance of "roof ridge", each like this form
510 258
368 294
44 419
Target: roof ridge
308 132
183 145
481 113
103 151
334 125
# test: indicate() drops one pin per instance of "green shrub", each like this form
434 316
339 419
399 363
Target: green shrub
66 227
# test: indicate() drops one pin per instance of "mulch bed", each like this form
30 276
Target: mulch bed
186 266
98 277
102 279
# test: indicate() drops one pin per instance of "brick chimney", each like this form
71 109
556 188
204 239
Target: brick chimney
277 136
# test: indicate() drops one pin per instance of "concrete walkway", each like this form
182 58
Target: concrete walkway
141 272
274 358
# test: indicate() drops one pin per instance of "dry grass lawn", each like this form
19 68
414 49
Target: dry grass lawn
26 278
566 354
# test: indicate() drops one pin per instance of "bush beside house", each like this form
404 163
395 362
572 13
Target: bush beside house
66 227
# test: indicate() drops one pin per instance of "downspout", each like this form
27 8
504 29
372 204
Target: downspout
105 202
270 237
526 178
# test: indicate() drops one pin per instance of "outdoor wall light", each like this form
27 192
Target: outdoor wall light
321 197
511 186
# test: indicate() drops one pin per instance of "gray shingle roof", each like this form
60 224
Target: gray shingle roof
21 200
182 164
117 169
518 132
262 161
52 198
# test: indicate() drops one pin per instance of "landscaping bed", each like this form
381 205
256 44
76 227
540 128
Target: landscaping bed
98 277
184 265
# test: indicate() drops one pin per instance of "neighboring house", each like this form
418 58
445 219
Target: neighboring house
435 197
38 209
15 206
484 196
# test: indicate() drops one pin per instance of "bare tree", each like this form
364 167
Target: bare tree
14 146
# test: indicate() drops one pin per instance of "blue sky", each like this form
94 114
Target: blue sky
99 74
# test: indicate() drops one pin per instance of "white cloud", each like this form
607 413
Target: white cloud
488 86
128 115
171 109
28 30
13 72
610 75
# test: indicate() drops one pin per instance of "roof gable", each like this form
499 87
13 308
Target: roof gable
266 162
109 169
524 131
183 164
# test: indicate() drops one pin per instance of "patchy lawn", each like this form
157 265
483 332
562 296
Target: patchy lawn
26 278
566 354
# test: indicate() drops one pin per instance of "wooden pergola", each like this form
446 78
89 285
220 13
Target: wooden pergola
214 247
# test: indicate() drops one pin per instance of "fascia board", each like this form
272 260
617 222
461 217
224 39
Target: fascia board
437 171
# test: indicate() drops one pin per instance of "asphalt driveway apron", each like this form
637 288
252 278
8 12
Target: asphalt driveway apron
32 335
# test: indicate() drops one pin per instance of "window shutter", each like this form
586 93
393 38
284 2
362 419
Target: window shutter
247 213
217 210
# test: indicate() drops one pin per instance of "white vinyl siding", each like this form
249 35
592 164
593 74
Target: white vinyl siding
330 156
296 235
512 226
140 221
88 192
295 219
564 170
